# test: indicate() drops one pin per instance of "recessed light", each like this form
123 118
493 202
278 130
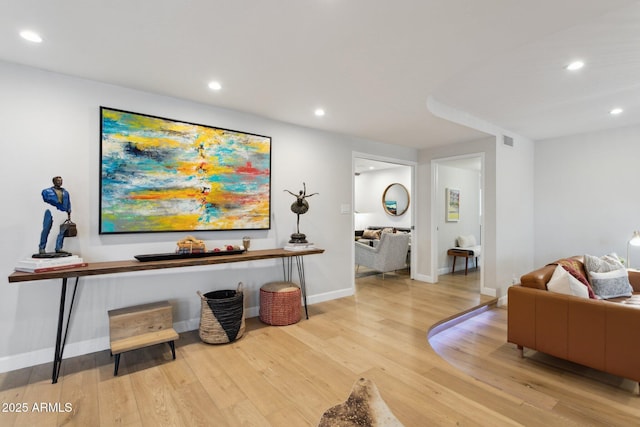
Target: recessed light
616 111
575 65
215 86
31 36
319 112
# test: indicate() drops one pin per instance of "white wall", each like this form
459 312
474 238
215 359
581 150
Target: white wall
468 182
586 194
428 206
368 190
51 127
507 241
514 211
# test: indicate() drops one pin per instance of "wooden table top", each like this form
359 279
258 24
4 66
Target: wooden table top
110 267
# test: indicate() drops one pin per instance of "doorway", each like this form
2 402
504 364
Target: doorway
373 177
462 220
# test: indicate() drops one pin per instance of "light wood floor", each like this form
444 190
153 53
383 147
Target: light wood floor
287 376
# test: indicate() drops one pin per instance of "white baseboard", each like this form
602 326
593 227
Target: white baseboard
423 278
503 301
45 355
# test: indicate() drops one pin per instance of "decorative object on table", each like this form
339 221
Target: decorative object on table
159 175
60 199
222 316
635 241
41 265
68 228
190 245
453 205
300 207
280 303
246 242
363 407
226 250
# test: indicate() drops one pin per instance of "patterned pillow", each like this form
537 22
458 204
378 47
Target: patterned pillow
608 277
611 284
574 267
602 265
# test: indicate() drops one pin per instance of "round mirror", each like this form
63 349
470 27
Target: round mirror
395 199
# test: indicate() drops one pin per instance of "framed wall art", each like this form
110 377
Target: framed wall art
453 205
162 175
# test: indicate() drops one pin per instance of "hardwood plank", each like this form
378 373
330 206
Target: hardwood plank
465 374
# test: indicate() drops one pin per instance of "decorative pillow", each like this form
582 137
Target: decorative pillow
608 277
387 230
466 241
611 284
574 267
602 265
564 283
371 234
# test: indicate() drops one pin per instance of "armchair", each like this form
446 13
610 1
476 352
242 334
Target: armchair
389 255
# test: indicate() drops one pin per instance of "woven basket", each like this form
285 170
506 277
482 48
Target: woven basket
222 316
280 303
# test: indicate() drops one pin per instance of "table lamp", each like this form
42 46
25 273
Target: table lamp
635 241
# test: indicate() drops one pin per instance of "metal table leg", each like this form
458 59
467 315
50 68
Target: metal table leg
287 269
61 339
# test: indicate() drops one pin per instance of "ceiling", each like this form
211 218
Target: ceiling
370 64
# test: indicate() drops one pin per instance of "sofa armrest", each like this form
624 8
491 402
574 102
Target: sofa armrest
634 279
366 248
538 279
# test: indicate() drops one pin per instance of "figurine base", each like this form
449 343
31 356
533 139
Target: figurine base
51 255
298 238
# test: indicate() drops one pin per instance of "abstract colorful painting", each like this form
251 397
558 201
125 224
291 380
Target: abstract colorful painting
159 175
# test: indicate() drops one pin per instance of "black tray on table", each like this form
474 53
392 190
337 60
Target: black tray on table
177 255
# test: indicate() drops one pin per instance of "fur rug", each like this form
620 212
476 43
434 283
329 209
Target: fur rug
363 407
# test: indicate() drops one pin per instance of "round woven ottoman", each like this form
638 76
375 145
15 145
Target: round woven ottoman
280 303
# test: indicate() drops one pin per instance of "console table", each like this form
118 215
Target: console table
114 267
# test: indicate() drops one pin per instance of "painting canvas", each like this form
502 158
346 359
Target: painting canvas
391 206
453 205
160 175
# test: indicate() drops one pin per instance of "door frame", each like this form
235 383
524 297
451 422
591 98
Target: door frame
412 205
438 205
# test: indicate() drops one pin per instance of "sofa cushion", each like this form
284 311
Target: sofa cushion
371 234
611 284
576 269
608 277
602 265
564 283
466 241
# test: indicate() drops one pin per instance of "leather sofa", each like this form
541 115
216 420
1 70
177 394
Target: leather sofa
600 334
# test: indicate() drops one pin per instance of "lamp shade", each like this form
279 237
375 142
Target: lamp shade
635 241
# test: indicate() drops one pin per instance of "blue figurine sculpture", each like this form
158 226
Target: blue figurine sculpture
57 197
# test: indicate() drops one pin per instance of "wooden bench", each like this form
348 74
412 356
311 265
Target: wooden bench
132 328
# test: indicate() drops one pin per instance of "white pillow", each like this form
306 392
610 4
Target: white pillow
562 282
466 241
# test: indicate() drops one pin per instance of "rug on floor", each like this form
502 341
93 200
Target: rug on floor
363 407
